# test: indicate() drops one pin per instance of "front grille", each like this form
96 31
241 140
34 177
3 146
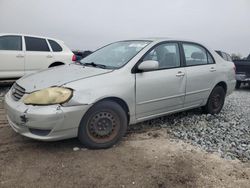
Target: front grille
17 92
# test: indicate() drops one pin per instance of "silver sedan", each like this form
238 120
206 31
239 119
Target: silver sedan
123 83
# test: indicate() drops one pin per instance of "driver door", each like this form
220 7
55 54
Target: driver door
163 90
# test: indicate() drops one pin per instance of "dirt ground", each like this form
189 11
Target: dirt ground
149 159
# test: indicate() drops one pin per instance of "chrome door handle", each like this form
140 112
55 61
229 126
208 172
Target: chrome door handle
20 56
180 74
212 69
49 56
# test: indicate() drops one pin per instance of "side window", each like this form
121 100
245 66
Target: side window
36 44
210 59
11 43
229 57
224 56
55 46
166 54
195 55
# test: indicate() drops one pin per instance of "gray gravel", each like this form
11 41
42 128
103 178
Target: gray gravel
227 133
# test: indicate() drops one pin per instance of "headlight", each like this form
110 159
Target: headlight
52 95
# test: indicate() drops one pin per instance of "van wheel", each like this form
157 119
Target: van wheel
103 125
215 101
238 83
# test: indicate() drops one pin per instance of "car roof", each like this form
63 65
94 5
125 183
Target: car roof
161 39
29 35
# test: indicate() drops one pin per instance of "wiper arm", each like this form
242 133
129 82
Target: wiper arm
95 65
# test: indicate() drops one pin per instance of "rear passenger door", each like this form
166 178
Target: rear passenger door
201 74
38 54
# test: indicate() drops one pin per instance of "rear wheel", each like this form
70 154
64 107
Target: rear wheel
238 83
215 101
103 125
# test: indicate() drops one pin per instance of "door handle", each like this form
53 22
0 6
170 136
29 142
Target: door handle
212 69
20 56
49 56
180 74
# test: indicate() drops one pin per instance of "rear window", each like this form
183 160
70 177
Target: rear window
229 58
55 46
224 56
11 43
36 44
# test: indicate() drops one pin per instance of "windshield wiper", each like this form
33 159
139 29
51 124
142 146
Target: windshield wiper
95 65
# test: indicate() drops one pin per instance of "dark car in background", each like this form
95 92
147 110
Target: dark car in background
81 54
242 71
242 68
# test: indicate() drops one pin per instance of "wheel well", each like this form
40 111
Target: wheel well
223 85
121 102
56 64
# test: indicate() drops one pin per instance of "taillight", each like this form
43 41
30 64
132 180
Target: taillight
74 58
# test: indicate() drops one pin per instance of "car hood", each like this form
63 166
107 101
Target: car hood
58 76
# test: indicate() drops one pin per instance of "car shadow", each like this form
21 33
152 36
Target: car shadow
244 88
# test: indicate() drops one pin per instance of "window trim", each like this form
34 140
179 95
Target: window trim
135 69
49 50
194 43
14 36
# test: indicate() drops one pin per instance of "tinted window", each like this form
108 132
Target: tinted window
36 44
195 55
11 43
166 54
55 46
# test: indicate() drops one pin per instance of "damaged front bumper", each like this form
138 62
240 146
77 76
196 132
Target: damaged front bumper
48 123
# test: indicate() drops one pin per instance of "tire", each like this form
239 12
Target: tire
103 125
238 83
215 101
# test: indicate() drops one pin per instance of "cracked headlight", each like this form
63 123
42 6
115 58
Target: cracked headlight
49 96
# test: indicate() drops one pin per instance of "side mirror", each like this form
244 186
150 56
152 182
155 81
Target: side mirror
148 65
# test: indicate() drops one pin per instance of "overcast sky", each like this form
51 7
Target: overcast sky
81 24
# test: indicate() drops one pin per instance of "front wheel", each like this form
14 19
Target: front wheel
103 125
215 101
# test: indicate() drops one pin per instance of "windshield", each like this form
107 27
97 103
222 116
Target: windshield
115 55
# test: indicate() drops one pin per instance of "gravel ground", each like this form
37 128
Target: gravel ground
227 133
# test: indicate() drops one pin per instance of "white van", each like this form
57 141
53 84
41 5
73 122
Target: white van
22 54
